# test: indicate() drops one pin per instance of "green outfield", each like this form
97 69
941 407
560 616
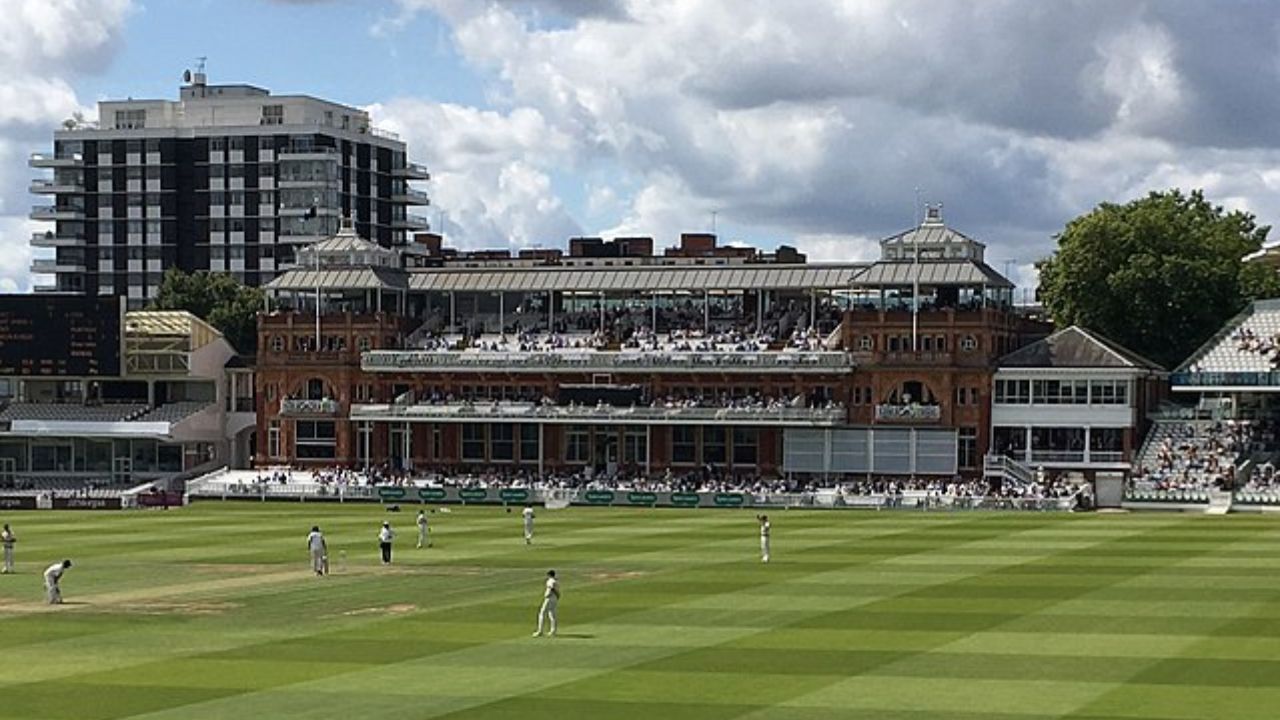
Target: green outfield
210 612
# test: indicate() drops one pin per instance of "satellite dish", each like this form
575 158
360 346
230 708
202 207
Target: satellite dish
186 76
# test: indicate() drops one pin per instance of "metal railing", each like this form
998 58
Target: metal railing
465 412
303 406
909 413
604 360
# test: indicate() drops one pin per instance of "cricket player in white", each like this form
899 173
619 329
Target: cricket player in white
528 524
764 537
550 598
7 539
319 550
52 576
385 536
424 532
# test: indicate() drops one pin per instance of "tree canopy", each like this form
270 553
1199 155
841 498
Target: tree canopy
218 299
1159 274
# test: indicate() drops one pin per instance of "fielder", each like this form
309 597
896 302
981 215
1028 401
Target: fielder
385 536
319 551
53 576
550 598
764 537
424 532
7 539
528 524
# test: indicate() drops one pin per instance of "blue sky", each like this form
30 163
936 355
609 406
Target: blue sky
810 122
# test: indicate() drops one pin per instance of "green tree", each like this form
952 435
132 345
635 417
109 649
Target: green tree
216 298
1159 275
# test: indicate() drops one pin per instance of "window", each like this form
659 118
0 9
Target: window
967 448
315 439
635 447
684 445
745 443
273 439
315 389
502 442
529 443
968 343
866 342
577 444
131 119
1109 392
966 396
362 343
277 343
1013 392
473 442
713 445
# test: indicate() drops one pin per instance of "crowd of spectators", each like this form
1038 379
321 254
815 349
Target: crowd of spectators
1247 341
1194 456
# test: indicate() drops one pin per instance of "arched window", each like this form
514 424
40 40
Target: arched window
315 389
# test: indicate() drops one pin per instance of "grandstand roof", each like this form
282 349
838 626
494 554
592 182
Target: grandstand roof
1076 347
950 272
364 278
169 324
620 279
929 233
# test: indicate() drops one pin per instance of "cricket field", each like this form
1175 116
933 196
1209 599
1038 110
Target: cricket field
211 612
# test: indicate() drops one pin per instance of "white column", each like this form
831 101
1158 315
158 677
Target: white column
541 453
706 312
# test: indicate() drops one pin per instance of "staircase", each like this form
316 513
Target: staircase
1006 470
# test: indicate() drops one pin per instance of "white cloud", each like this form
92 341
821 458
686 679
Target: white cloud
42 44
815 120
490 171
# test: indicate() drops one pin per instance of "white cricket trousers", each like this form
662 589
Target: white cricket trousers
423 536
8 560
528 532
764 548
317 561
548 612
53 593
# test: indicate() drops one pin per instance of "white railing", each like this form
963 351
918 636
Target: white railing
1008 468
464 412
604 360
908 413
302 406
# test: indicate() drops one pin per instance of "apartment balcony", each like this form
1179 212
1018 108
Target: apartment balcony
410 196
51 187
50 266
307 153
49 160
55 212
53 240
304 407
320 211
286 183
411 222
412 171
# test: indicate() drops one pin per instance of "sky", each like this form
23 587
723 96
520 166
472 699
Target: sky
817 123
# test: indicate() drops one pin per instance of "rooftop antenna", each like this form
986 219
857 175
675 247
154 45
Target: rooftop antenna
714 213
915 209
200 61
